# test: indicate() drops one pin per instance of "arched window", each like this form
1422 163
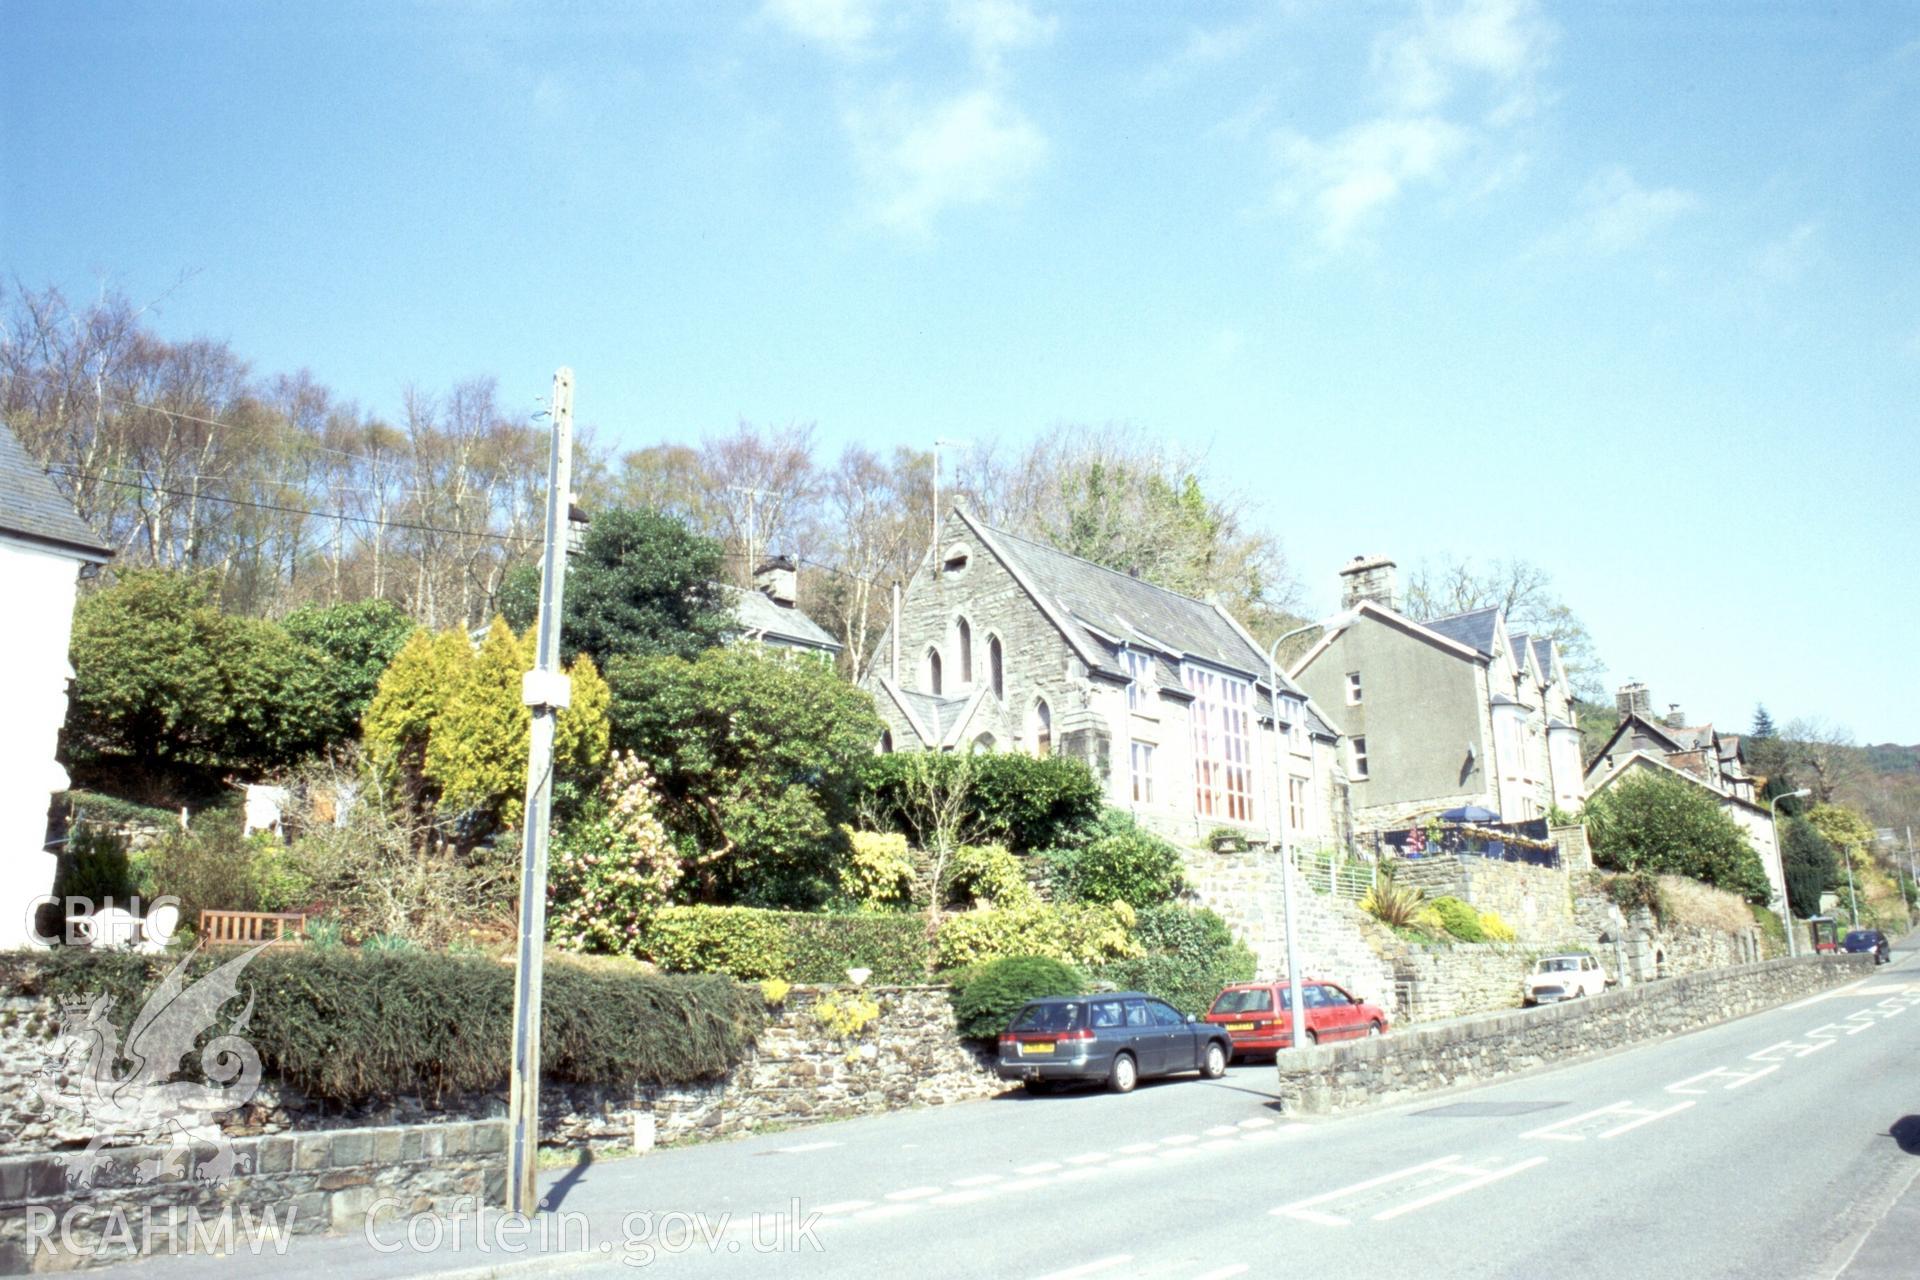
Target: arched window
996 667
1042 728
886 742
983 744
933 672
964 632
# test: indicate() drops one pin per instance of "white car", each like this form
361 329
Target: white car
1563 978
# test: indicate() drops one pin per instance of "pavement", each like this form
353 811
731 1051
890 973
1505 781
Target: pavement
1786 1143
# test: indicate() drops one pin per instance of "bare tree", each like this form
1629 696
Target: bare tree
1524 591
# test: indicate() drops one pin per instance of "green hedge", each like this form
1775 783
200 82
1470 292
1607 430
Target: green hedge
1190 954
350 1026
986 997
749 943
1015 800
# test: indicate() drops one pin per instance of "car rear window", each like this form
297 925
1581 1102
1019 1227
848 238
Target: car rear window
1865 936
1251 1000
1557 964
1048 1017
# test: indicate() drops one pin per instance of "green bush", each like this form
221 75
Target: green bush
94 866
988 875
1461 920
752 944
991 994
1190 954
1495 929
1015 800
1125 862
1078 933
878 870
351 1026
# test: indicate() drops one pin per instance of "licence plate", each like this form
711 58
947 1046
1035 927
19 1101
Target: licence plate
1031 1050
1239 1026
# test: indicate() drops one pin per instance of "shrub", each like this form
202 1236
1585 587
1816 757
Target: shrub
1190 956
1088 934
1461 920
206 866
1634 889
1125 862
351 1026
1392 903
1016 800
1667 824
878 871
991 994
608 872
988 875
752 944
94 866
1494 928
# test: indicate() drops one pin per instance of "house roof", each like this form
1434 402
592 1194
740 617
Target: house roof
1476 628
1101 609
1646 759
32 507
758 614
932 717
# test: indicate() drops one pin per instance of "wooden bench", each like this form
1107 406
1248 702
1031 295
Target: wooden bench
244 928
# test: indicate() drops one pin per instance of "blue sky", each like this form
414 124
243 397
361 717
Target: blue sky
1628 290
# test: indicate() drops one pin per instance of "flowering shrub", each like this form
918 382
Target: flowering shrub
987 874
608 874
1496 929
878 872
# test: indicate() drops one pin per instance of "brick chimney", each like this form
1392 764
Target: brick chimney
1634 699
778 578
1369 578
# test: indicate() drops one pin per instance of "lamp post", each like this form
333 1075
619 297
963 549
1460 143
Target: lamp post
1780 855
1276 837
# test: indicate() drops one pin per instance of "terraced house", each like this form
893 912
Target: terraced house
1449 713
1001 643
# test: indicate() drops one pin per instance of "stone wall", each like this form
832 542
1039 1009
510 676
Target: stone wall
1413 1062
797 1072
298 1183
1536 901
1441 981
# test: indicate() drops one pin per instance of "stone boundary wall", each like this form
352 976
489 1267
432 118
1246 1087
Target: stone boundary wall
1536 901
796 1073
301 1183
1409 1064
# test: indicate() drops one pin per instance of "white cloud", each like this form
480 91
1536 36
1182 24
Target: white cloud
1349 179
994 27
1504 43
1785 259
1617 214
970 149
843 27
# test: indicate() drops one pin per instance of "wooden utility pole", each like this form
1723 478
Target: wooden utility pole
545 690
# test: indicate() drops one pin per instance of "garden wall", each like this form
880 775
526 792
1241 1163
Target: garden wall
1536 901
1417 1061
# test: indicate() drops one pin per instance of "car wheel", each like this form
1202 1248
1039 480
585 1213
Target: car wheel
1124 1074
1039 1086
1214 1064
1373 1029
1313 1037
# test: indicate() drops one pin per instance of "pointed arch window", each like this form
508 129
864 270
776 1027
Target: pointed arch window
886 742
933 672
1042 728
964 634
996 667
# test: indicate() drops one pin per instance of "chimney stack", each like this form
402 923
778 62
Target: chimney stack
778 578
1369 578
1634 699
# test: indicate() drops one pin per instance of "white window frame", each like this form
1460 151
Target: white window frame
1296 805
1140 668
1296 725
1355 694
1140 767
1357 758
1226 767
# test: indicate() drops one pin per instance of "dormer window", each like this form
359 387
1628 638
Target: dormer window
954 563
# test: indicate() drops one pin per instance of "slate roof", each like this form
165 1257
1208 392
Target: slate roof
1104 607
936 713
32 507
755 612
1543 654
1474 629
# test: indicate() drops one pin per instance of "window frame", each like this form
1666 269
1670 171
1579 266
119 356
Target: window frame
1225 755
1356 693
1140 769
1358 767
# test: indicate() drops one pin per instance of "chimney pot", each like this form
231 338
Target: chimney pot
1369 578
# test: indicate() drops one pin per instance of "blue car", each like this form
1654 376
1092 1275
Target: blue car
1868 940
1116 1038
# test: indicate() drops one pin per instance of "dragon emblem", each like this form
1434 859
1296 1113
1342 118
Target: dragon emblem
136 1090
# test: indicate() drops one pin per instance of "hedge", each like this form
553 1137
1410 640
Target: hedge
1190 954
750 944
986 998
1016 800
349 1026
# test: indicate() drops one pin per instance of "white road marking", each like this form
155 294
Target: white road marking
1136 1148
914 1193
1089 1268
1263 1135
1174 1153
1258 1122
844 1206
1647 1117
1177 1139
1132 1162
1304 1208
1026 1184
1737 1079
964 1197
1849 989
1091 1157
1798 1048
1472 1184
1224 1273
883 1211
1080 1174
806 1146
1220 1131
1221 1144
1042 1166
977 1180
1550 1132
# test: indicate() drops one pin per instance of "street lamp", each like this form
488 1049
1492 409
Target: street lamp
1780 856
1276 837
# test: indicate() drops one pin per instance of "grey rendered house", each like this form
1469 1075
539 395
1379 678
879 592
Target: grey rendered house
1005 644
1453 712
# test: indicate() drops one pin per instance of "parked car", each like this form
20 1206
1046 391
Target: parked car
1869 940
1258 1015
1563 977
1118 1038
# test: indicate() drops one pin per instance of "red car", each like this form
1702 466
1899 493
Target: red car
1257 1017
